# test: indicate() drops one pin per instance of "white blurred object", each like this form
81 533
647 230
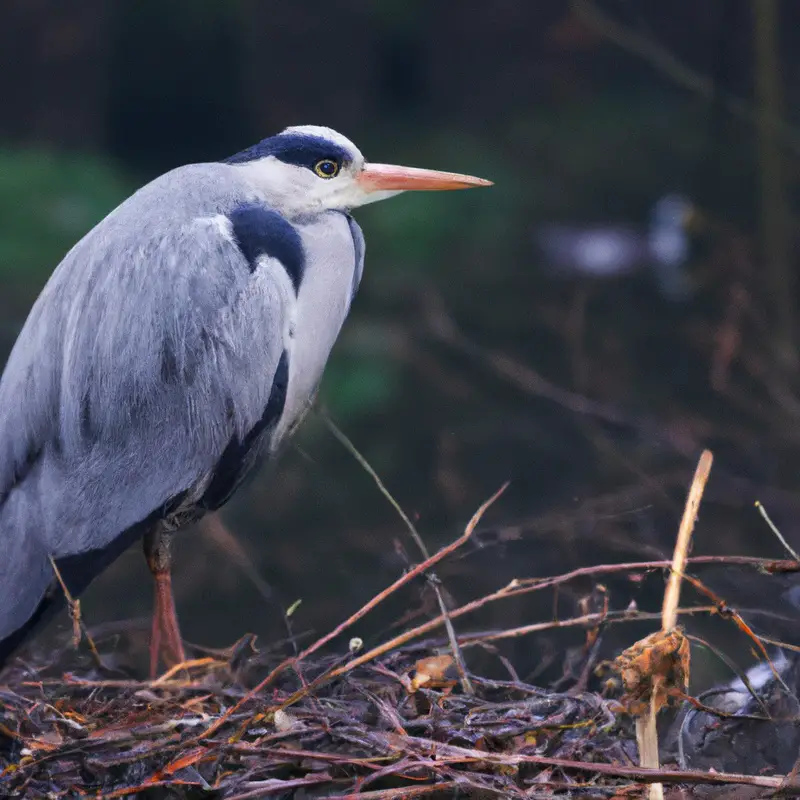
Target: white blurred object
610 251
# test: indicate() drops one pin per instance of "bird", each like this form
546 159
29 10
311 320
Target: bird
607 251
176 346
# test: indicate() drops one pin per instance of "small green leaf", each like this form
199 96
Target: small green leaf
293 607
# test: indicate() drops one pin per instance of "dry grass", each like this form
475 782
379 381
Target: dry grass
391 722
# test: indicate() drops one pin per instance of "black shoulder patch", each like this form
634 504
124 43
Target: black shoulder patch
240 457
260 231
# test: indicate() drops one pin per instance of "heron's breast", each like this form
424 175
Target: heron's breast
320 308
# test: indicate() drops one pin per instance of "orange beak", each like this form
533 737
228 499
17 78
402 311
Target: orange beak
388 177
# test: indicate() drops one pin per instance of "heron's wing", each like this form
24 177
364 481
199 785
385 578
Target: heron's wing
156 343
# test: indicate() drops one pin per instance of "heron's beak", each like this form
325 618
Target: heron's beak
391 178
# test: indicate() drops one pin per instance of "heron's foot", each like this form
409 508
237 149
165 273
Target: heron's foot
165 636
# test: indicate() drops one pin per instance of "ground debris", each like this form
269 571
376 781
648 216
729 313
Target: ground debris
90 732
394 721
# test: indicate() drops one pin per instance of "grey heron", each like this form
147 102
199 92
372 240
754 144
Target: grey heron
177 343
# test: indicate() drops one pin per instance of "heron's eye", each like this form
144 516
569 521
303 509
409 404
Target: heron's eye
327 168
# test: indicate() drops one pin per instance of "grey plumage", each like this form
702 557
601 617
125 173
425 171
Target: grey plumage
177 342
152 346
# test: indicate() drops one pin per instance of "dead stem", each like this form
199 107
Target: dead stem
74 607
654 667
454 754
726 612
347 729
678 71
365 609
433 580
672 594
774 528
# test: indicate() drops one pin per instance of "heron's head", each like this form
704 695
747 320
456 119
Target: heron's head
309 168
672 212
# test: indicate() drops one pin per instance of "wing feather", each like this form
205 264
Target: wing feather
153 346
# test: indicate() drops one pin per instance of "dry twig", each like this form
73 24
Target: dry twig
659 663
433 580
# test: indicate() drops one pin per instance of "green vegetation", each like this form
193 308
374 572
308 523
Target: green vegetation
48 200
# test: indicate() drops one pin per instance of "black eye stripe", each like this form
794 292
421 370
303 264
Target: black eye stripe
298 149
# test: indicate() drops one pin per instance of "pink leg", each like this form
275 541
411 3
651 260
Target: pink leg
165 621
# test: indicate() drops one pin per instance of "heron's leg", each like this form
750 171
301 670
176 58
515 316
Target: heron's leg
165 621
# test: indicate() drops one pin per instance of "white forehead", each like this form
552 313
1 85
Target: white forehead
326 133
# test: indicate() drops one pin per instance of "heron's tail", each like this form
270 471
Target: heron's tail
25 575
29 591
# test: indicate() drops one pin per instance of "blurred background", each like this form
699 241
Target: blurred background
623 297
